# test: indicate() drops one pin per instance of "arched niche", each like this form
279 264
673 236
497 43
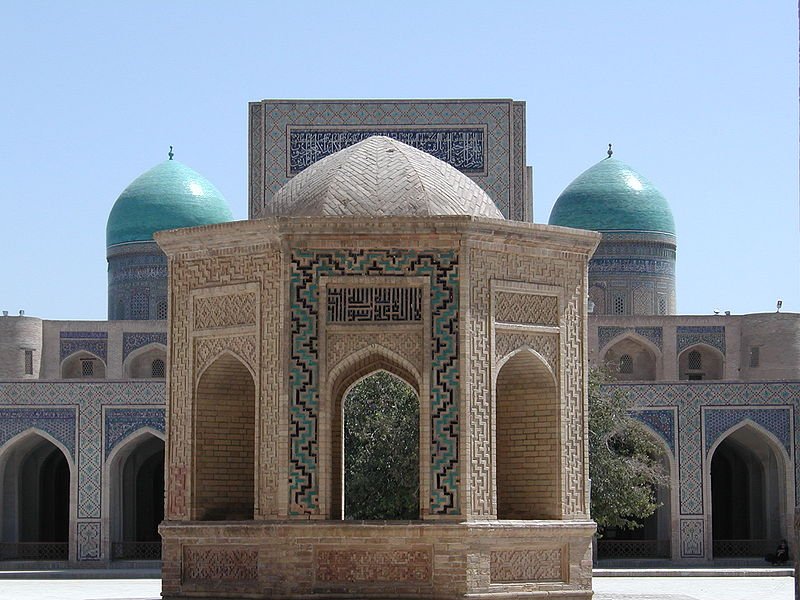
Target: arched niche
750 494
148 362
631 358
701 362
655 536
527 439
36 476
224 467
83 365
343 378
135 496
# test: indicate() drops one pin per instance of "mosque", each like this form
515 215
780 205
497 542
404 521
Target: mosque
83 404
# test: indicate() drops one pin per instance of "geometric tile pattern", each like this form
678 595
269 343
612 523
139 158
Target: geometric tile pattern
777 421
95 342
58 422
307 267
662 421
133 340
502 149
712 335
121 422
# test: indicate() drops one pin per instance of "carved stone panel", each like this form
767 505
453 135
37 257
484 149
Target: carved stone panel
229 310
207 563
526 309
517 566
374 565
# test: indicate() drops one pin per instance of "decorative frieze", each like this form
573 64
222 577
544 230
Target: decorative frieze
229 310
209 563
527 309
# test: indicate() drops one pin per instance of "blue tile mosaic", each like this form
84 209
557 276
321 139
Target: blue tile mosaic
57 422
307 267
778 421
462 148
662 421
121 422
134 341
712 335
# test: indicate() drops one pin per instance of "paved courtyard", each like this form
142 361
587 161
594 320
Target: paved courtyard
606 588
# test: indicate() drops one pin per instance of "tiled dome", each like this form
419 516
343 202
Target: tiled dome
611 196
168 196
379 177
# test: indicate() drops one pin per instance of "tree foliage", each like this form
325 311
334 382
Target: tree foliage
624 464
381 449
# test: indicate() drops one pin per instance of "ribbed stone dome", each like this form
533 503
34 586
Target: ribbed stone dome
611 196
168 196
378 177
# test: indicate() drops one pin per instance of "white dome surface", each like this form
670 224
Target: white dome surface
380 177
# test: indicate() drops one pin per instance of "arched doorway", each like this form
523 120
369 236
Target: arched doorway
146 363
224 477
748 495
528 439
701 362
380 449
35 500
653 538
136 498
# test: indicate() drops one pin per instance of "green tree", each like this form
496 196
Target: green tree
381 449
624 461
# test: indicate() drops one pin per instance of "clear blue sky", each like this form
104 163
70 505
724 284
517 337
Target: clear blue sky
700 97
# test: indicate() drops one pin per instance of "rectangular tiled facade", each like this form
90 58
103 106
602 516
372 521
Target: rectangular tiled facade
485 139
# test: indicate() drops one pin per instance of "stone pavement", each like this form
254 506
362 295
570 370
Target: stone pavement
606 588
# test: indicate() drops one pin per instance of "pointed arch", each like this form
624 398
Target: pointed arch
231 354
138 364
527 444
74 367
340 380
38 481
645 356
657 537
223 481
711 367
750 491
133 495
525 348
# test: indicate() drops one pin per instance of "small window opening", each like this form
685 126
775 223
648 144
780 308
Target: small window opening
662 306
87 367
619 305
754 356
28 362
695 361
157 369
161 310
626 364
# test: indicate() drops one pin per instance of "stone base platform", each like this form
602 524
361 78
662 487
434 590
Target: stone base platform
377 559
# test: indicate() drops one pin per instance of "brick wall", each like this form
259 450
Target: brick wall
528 453
224 477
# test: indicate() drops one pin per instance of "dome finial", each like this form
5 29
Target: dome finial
610 151
171 153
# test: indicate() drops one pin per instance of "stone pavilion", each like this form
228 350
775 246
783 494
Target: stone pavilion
377 257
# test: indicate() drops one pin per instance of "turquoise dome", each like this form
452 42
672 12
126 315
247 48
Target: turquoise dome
611 196
168 196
